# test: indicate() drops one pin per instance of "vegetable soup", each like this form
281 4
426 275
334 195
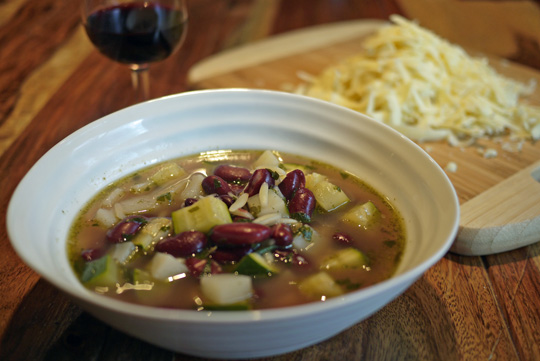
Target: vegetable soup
235 230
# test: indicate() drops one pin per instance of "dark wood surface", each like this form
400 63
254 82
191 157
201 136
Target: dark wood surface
52 82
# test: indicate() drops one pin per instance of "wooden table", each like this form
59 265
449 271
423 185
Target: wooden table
52 82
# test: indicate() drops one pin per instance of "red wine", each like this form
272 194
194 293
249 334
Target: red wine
136 33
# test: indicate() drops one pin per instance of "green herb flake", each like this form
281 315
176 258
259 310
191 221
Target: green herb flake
273 174
194 209
307 232
301 217
344 175
165 197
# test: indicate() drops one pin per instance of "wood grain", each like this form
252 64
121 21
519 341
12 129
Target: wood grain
464 308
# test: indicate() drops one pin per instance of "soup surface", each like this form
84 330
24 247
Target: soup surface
230 230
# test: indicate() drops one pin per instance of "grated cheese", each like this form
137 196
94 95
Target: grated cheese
427 88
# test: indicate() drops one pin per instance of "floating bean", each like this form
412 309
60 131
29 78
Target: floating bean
237 188
232 174
294 259
231 254
189 201
183 244
282 235
302 204
342 238
259 177
239 233
293 181
215 185
92 254
227 199
198 266
126 229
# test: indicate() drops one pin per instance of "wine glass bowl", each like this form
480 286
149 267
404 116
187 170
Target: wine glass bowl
136 32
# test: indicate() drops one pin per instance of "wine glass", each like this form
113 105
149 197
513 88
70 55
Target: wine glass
136 32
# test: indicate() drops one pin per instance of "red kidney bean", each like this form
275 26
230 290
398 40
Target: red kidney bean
237 188
92 254
183 244
198 266
342 238
259 177
237 234
227 199
282 234
215 185
126 229
294 259
232 174
230 254
189 201
302 204
293 181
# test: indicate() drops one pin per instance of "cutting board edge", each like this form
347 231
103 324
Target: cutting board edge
278 46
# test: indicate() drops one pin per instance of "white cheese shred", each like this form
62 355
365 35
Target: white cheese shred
427 88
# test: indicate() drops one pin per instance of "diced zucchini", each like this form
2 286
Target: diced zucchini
201 216
275 204
226 288
320 285
141 276
152 232
102 272
254 264
329 196
363 215
267 160
123 252
167 172
164 266
313 179
348 258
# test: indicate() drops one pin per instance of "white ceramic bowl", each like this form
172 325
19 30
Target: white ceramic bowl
71 173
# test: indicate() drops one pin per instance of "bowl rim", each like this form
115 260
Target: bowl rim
273 314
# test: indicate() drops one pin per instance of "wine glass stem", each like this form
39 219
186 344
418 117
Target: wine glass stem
140 81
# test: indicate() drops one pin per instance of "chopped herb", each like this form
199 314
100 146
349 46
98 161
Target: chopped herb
389 243
165 229
217 184
140 220
337 188
165 197
307 232
194 209
344 175
274 174
301 217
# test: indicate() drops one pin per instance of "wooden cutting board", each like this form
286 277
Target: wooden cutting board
499 196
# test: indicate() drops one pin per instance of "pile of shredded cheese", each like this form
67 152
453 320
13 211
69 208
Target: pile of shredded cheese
427 88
